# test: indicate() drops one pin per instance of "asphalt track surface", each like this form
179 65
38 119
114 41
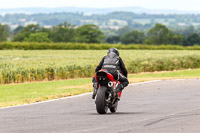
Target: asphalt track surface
171 106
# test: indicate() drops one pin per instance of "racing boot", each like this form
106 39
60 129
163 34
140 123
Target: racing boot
95 86
117 90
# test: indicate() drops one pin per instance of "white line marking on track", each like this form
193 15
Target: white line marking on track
77 95
145 82
63 98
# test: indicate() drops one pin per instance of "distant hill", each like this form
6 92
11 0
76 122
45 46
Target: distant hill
93 10
113 20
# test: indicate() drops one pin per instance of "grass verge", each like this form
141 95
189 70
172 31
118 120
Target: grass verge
17 94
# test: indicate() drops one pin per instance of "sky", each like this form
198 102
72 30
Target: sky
185 5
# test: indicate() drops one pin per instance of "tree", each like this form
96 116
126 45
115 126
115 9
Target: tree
38 37
159 34
89 33
32 28
113 39
63 33
177 39
123 30
4 32
26 31
133 37
192 40
17 30
189 30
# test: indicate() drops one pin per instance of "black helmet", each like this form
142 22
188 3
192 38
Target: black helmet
113 50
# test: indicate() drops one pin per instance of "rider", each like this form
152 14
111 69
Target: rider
115 66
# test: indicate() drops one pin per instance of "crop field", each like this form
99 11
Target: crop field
17 66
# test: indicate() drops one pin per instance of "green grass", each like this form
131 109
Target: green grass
31 92
16 94
38 58
180 73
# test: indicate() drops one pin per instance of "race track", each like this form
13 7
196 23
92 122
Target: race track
171 106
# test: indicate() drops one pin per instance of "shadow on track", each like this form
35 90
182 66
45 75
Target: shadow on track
121 113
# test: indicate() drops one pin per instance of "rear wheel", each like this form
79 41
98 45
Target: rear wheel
114 108
101 104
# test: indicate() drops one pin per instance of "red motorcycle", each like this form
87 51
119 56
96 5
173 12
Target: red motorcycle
106 97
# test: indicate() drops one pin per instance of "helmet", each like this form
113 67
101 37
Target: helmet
113 50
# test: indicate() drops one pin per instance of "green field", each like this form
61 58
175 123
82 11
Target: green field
43 58
18 66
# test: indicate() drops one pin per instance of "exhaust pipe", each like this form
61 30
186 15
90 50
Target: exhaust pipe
110 84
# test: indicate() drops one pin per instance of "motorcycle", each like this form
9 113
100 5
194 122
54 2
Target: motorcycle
106 97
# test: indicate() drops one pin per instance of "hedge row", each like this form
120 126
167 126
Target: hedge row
83 46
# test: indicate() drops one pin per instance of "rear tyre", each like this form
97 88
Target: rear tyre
102 96
114 108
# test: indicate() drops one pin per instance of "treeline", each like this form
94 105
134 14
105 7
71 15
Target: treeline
158 35
61 33
90 33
